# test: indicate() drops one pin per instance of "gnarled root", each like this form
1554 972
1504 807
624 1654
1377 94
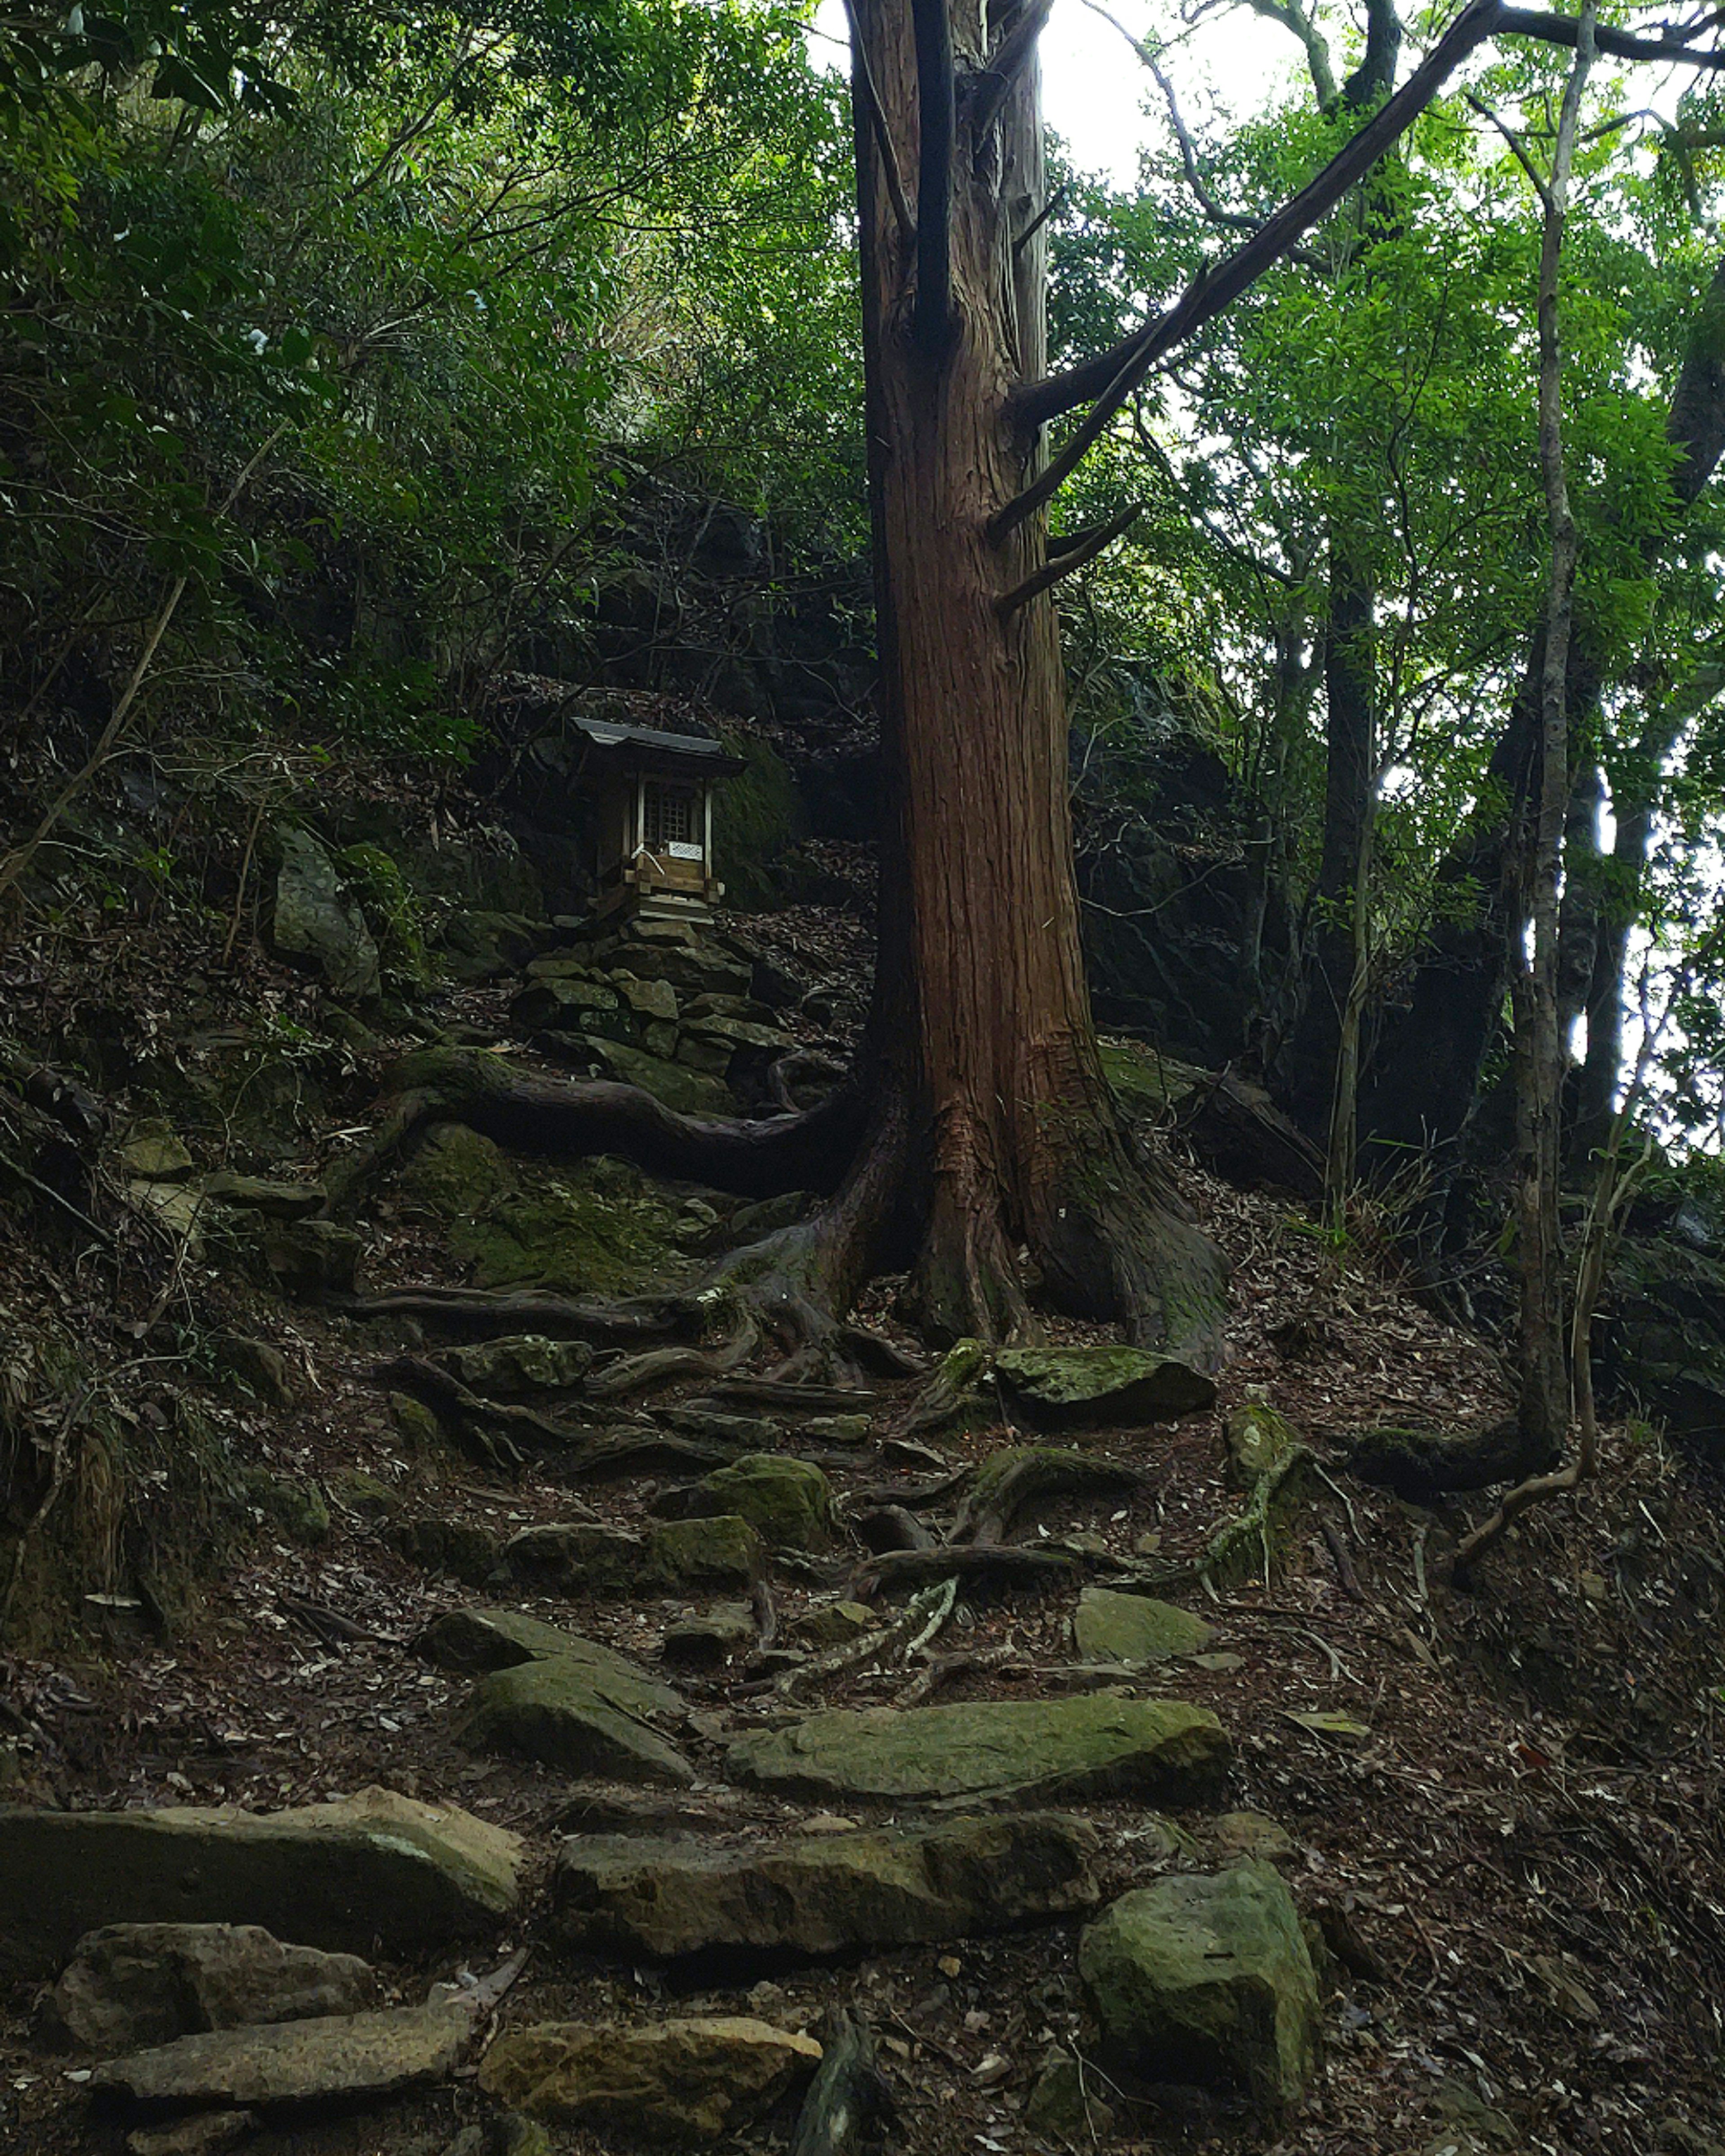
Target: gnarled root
573 1117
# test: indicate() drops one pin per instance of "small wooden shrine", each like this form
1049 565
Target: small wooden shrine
654 793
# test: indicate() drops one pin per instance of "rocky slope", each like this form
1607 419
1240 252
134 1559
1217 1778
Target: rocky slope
1054 1749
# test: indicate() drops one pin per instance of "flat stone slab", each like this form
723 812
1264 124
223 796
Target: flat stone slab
1090 1388
559 1711
1134 1629
364 1871
129 1985
1207 1980
1030 1751
695 2078
345 2057
823 1894
679 1557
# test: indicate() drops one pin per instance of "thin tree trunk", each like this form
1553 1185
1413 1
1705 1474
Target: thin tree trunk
1544 1405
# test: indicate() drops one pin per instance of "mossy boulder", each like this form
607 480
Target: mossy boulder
1091 1388
1136 1629
347 1876
758 814
294 1507
461 1548
457 1173
714 1554
317 921
679 1557
667 2084
571 1713
391 911
690 1093
598 1227
520 1364
789 1503
1207 1979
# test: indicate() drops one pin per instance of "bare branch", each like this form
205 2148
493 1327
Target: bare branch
1113 375
877 121
1064 558
1621 44
1055 200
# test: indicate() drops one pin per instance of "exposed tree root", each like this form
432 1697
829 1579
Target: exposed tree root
898 1569
608 1457
506 1437
572 1117
888 1527
1008 1482
487 1312
847 2100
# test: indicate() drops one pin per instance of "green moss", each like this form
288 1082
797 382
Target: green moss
598 1229
392 912
297 1508
757 818
457 1174
1145 1083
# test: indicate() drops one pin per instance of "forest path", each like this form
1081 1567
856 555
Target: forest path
753 1782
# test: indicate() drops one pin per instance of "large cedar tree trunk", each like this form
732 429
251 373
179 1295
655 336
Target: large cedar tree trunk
991 1103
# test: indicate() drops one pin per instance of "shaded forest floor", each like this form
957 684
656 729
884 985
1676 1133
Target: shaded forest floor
1507 1835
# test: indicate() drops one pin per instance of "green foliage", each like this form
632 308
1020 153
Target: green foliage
350 340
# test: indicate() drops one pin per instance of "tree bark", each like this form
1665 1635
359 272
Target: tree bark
986 1047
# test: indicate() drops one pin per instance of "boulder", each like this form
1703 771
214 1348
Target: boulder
823 1894
692 2077
260 1367
128 1985
680 1556
347 2058
563 1712
1135 1628
317 921
578 1557
462 1548
789 1503
707 1643
690 1093
1207 1979
687 1555
371 1869
1091 1387
153 1154
1027 1752
471 1643
520 1364
310 1260
833 1625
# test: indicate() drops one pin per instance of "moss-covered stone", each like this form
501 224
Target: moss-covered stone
1136 1629
789 1503
834 1624
1146 1083
757 816
690 1093
391 911
151 1153
1032 1751
457 1173
689 1555
1079 1387
418 1428
462 1548
367 1497
1207 1980
520 1364
297 1509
